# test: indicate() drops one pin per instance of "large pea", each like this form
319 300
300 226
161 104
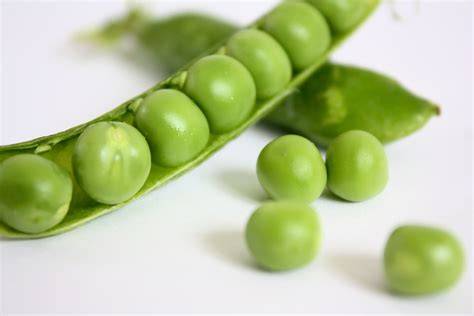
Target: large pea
344 15
173 125
264 58
111 161
283 235
35 193
301 30
224 90
357 166
422 260
291 167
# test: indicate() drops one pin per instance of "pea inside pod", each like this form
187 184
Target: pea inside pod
111 161
224 90
173 125
35 193
301 30
264 58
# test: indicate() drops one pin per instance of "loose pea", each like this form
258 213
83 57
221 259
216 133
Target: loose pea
283 235
301 30
224 90
35 193
422 260
174 127
291 167
344 15
111 161
264 58
357 166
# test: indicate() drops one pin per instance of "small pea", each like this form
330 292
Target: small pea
344 15
174 127
111 161
264 58
35 193
422 260
357 166
283 235
301 30
291 167
224 90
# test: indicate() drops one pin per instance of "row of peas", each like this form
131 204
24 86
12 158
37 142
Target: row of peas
112 160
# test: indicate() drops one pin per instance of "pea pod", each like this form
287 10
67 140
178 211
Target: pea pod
334 100
59 148
341 98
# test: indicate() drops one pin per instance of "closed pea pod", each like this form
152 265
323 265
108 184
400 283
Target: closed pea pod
301 30
357 166
173 125
111 161
422 260
264 58
35 193
283 235
291 167
224 90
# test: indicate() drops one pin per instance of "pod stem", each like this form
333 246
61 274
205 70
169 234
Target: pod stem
112 31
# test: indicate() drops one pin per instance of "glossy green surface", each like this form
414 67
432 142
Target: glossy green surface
301 30
264 58
291 167
342 15
283 235
111 161
224 90
357 166
35 193
422 260
173 125
336 99
60 147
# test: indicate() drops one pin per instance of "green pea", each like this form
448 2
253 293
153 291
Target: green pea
264 58
301 30
422 260
111 161
357 166
173 125
224 90
291 167
283 235
344 15
35 193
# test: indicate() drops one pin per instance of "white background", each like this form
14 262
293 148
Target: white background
180 248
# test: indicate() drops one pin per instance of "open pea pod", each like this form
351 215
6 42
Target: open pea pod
59 148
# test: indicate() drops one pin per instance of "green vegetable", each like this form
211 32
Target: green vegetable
35 193
59 148
340 98
283 235
342 15
357 166
224 90
264 58
291 167
422 260
174 127
111 161
301 30
334 100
